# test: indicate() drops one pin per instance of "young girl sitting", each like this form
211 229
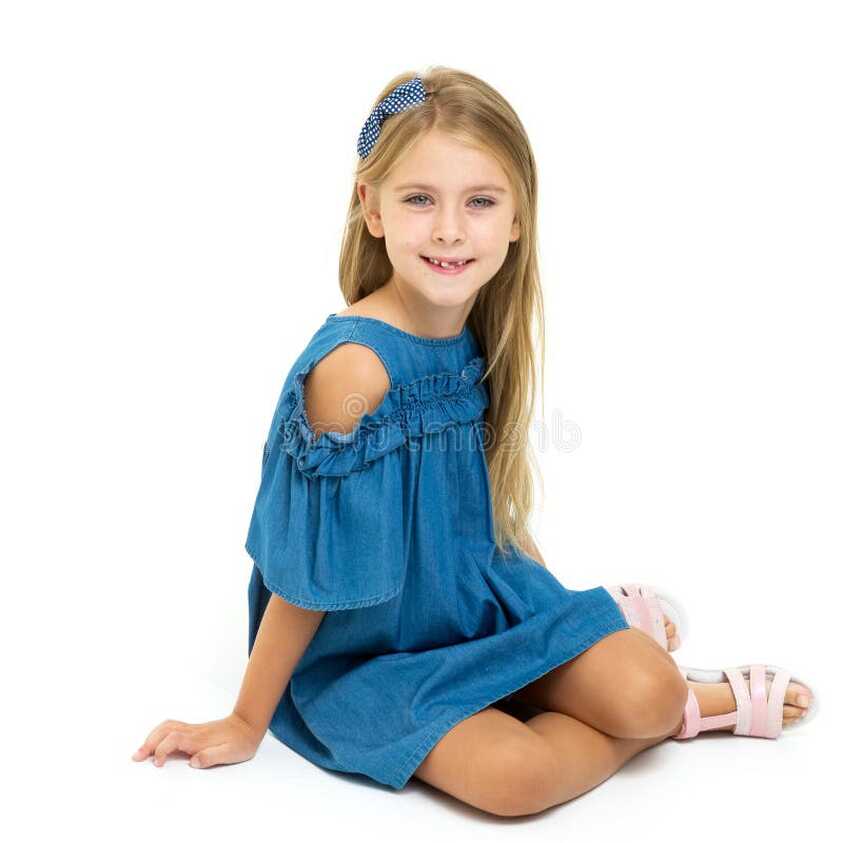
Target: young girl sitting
397 603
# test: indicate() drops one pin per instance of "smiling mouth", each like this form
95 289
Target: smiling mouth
447 266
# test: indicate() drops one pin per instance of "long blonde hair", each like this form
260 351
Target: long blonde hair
508 308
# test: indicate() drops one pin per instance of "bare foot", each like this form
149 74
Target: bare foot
718 698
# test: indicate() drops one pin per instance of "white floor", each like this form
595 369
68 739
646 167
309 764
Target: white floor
741 788
174 180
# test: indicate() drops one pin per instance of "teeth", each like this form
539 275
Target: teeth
446 265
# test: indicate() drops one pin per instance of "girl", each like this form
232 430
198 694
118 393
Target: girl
397 603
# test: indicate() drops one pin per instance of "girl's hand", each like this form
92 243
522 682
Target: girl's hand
226 741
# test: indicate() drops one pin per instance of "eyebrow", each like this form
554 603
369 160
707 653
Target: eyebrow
492 188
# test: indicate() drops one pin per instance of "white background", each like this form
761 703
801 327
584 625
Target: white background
173 183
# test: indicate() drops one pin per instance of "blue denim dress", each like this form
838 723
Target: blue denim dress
388 529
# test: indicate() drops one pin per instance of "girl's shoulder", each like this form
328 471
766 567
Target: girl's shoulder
406 357
336 332
431 383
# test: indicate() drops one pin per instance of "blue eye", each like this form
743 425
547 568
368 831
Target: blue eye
409 201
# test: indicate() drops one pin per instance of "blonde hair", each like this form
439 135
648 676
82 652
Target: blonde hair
507 307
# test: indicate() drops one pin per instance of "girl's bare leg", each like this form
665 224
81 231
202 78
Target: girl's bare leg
626 680
621 696
500 765
587 756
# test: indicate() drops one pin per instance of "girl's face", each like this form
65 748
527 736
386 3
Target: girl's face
444 200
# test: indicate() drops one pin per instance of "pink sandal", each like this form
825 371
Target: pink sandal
757 715
644 607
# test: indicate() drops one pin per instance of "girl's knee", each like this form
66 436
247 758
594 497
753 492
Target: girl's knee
653 702
517 777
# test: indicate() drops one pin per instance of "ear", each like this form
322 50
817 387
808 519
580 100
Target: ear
515 233
371 213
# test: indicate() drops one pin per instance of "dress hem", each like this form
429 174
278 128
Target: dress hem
321 605
406 770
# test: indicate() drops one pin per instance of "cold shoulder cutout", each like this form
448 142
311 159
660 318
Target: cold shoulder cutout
327 531
421 405
340 388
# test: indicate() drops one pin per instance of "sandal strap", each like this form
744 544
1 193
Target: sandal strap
690 719
748 710
641 608
757 714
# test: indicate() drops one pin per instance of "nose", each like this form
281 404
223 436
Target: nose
448 227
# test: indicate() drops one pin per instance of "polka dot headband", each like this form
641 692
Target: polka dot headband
405 95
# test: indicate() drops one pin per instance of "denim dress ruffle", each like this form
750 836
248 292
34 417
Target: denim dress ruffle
389 530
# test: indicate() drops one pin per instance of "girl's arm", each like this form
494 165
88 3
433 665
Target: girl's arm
284 634
286 630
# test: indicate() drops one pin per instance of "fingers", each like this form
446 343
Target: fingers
155 737
205 744
210 756
151 741
175 740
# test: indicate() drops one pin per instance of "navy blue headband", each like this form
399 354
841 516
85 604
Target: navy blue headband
402 96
